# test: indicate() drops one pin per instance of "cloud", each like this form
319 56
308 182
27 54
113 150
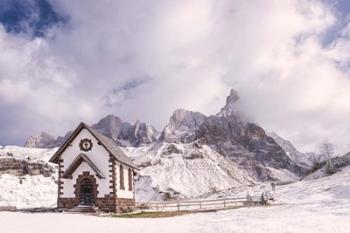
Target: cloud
141 61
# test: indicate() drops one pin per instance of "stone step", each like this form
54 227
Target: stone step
83 209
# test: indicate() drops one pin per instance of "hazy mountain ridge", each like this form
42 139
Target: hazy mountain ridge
123 133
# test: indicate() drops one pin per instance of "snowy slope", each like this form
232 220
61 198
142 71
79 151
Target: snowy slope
18 152
187 169
184 170
317 206
33 191
326 190
28 191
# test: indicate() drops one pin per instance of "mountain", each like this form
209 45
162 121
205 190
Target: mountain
244 143
44 140
231 106
195 154
123 133
302 159
186 170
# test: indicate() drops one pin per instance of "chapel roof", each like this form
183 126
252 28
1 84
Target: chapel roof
106 142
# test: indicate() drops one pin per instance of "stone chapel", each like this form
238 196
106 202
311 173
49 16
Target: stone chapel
94 172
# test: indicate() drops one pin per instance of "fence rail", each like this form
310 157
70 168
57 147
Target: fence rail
201 205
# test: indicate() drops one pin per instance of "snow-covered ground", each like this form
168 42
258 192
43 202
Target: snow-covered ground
18 152
28 191
309 218
318 206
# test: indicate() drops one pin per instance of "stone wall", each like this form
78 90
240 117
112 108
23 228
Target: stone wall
105 204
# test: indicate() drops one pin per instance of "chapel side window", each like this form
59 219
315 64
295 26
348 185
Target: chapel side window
130 179
121 177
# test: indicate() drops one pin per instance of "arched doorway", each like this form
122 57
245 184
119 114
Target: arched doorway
87 192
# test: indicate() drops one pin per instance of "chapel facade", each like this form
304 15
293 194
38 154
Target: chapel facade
94 171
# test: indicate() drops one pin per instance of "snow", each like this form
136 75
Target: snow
308 206
276 219
33 191
22 153
191 171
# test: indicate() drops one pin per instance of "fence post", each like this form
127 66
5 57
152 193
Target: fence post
200 205
157 206
178 206
224 204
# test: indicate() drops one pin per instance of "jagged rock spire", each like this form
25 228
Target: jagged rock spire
230 107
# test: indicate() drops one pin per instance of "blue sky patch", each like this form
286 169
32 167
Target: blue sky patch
33 17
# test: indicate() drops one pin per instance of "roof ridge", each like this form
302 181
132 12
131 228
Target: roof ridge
108 143
77 161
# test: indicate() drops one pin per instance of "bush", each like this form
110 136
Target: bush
167 196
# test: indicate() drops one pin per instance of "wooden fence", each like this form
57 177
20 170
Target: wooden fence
201 205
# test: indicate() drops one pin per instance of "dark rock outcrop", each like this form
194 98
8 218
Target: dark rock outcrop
22 167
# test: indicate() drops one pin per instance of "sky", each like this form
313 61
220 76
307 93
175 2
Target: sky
63 62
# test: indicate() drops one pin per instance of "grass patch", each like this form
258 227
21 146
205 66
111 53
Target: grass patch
146 214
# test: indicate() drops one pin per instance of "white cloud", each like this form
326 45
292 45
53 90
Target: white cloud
190 53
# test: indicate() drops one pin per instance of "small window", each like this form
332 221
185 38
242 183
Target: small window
121 177
130 179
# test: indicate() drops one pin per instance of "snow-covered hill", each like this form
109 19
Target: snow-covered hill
317 206
183 171
187 170
37 184
328 167
323 191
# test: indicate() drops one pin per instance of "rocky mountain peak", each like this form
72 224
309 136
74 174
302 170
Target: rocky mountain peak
109 126
125 133
182 126
233 97
231 106
183 117
43 140
144 133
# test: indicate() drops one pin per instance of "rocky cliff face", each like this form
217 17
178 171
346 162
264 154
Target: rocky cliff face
302 159
231 107
248 145
110 126
183 126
